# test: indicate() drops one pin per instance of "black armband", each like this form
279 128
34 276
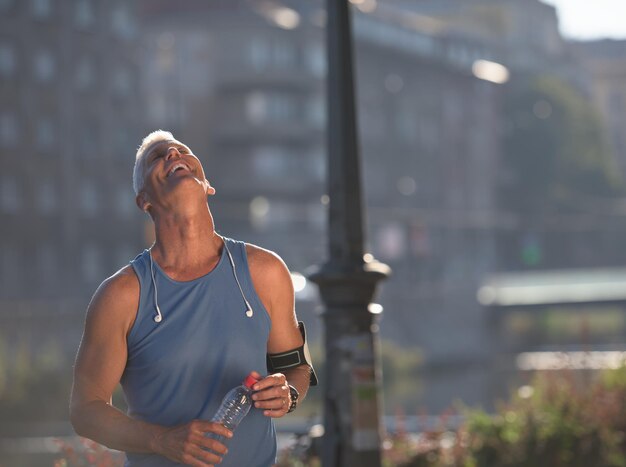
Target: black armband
293 358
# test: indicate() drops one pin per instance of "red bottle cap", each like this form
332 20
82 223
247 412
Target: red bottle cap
250 381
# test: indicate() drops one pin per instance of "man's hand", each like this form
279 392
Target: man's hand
272 394
188 443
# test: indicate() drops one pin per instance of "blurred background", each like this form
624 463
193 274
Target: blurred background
493 141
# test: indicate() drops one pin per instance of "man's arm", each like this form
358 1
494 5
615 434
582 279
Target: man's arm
99 366
273 284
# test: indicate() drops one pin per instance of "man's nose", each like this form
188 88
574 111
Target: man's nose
172 152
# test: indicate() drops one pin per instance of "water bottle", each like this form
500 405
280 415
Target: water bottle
235 405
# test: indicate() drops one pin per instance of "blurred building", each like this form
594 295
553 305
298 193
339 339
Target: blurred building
69 109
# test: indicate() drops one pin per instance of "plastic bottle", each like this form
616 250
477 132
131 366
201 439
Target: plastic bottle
235 405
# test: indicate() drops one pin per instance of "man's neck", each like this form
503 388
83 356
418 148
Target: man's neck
186 242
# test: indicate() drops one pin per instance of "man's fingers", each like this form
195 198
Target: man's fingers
273 392
203 427
276 379
197 456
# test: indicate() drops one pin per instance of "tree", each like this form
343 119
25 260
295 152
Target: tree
555 149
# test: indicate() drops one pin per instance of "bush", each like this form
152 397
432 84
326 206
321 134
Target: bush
559 420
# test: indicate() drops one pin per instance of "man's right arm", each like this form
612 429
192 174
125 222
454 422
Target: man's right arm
99 366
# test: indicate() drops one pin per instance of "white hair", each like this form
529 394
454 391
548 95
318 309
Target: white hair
150 140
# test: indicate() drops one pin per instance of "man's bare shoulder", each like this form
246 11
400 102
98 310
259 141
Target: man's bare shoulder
264 259
267 268
123 282
117 297
267 265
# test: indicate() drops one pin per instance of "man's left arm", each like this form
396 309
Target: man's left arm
274 286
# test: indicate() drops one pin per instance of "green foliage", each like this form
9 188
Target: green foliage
33 386
558 421
555 148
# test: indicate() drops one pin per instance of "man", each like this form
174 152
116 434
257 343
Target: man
185 322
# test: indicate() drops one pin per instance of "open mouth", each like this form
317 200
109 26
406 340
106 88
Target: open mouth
176 168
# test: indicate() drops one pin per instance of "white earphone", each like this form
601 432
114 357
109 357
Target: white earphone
159 316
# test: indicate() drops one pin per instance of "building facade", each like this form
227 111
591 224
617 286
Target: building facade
68 129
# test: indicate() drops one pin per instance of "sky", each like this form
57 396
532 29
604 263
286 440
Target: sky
591 19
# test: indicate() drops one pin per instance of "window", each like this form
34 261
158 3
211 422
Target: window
9 194
316 111
47 265
270 161
284 54
44 65
263 54
84 14
281 107
8 130
91 263
85 73
7 59
259 54
270 106
88 199
41 9
125 200
256 107
5 5
88 141
44 133
47 197
9 267
122 82
121 22
315 57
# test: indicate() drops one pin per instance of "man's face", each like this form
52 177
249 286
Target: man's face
170 167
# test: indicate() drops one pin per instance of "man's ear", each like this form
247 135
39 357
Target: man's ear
142 201
210 191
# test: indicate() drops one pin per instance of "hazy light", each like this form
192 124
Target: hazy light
525 392
324 199
259 207
596 360
582 19
486 295
286 18
368 257
366 6
281 16
316 431
375 308
519 295
406 186
299 281
490 71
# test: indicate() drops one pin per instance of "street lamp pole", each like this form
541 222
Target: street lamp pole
347 281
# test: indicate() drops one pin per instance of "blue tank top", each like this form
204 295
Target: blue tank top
181 368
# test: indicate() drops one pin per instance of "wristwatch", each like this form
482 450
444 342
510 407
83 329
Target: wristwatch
294 398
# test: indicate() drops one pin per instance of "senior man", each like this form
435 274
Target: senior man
184 322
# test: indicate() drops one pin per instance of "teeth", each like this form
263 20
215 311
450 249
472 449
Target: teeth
176 167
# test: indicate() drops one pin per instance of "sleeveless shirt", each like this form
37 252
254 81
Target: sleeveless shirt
179 369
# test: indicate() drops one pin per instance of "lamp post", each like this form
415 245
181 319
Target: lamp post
347 282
